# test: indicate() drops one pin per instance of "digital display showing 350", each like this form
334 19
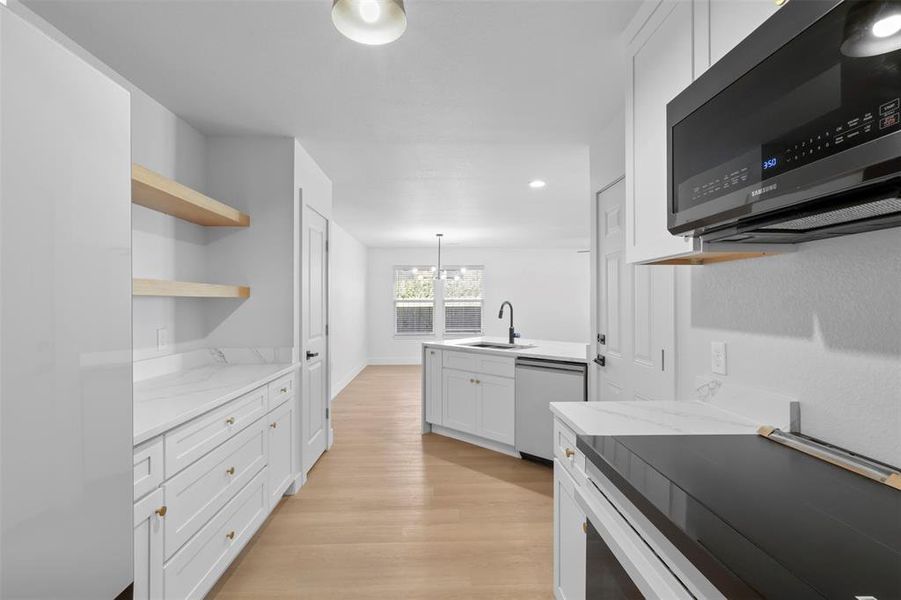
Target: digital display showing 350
769 163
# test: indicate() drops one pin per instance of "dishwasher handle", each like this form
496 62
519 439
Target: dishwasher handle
550 365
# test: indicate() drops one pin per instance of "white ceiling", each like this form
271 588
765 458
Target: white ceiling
439 131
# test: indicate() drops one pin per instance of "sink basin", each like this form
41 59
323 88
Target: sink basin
499 345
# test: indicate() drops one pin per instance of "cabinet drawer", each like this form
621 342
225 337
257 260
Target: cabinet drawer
195 494
501 366
148 467
566 452
196 567
281 390
187 443
462 361
485 364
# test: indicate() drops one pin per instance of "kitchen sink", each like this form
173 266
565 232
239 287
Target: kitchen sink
499 346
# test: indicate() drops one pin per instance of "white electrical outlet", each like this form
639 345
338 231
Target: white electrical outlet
718 357
162 339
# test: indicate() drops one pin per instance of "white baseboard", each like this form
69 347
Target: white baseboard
342 383
401 360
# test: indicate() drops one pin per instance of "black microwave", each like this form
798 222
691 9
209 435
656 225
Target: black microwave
795 134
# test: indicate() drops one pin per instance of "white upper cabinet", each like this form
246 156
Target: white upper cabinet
659 65
669 44
731 21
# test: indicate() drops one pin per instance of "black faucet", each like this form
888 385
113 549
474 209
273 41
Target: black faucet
500 315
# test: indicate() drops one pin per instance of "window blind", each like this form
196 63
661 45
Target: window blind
414 301
463 300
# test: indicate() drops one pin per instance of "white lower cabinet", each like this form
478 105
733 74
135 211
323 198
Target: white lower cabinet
192 523
460 399
569 538
280 430
495 403
479 404
148 546
195 494
196 567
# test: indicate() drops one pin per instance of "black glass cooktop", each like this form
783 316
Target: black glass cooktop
787 525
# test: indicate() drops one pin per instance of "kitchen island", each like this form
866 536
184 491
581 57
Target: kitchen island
469 386
601 533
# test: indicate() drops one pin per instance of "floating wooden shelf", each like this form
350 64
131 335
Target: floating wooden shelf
187 289
162 194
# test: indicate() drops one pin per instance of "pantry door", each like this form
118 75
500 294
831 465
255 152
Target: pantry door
635 313
315 337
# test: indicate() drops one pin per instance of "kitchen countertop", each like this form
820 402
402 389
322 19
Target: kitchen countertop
162 403
651 418
787 524
542 349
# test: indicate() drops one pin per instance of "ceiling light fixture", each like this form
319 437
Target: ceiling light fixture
887 26
537 184
872 28
370 22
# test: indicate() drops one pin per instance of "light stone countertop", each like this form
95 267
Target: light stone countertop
162 403
542 349
651 418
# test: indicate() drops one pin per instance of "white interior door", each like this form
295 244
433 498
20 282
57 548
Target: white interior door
315 337
635 305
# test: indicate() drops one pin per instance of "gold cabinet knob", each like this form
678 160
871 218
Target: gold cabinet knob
569 452
230 535
283 390
274 424
230 470
161 511
585 527
477 381
230 421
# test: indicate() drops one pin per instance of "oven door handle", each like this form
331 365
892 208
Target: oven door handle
645 568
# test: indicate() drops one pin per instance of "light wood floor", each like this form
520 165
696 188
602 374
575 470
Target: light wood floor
390 513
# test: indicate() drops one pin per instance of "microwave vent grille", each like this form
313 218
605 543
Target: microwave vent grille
859 212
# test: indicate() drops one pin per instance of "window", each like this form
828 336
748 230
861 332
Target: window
423 306
414 301
463 301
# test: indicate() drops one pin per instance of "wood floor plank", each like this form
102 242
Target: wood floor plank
390 513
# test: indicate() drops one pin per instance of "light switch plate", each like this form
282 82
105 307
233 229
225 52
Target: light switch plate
162 338
718 357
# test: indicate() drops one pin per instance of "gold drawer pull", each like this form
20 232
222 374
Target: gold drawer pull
585 527
161 511
274 424
569 452
230 535
283 390
230 470
230 421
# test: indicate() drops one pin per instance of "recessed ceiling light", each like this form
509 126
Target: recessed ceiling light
371 22
537 184
887 26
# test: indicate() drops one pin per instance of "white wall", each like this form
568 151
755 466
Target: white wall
549 290
165 247
822 324
347 306
256 176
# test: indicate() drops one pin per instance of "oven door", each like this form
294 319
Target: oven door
605 577
619 564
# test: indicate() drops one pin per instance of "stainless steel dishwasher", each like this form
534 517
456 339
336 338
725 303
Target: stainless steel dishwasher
538 383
